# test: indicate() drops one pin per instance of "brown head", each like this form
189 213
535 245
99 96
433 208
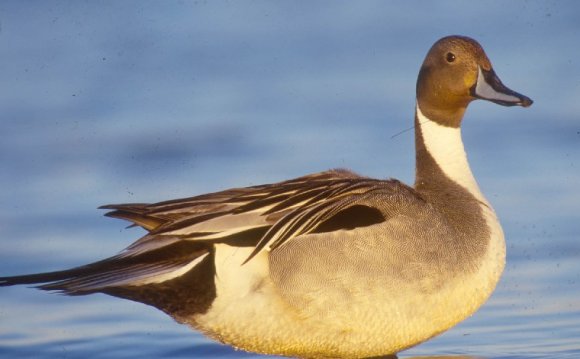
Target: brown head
455 72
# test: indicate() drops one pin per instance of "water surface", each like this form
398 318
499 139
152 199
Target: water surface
112 102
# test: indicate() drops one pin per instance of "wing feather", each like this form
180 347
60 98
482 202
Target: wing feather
274 213
182 232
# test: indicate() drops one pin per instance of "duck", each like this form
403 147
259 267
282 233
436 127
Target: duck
331 264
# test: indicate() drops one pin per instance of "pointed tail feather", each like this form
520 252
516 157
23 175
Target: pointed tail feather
119 271
39 278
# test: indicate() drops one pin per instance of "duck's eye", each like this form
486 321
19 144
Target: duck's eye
450 57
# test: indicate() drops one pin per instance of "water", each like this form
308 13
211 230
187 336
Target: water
112 102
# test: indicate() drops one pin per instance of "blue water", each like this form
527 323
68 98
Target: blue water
112 102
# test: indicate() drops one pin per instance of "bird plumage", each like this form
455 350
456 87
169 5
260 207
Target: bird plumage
330 264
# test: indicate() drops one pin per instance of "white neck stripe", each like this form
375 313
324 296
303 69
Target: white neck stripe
445 145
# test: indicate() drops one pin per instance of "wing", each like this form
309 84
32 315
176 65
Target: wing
262 216
182 232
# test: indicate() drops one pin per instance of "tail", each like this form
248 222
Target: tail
125 270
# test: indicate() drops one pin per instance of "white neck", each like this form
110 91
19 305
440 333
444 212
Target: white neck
445 145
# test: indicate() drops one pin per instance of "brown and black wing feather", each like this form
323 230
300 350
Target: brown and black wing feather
175 259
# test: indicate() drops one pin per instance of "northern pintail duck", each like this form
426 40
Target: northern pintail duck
331 264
